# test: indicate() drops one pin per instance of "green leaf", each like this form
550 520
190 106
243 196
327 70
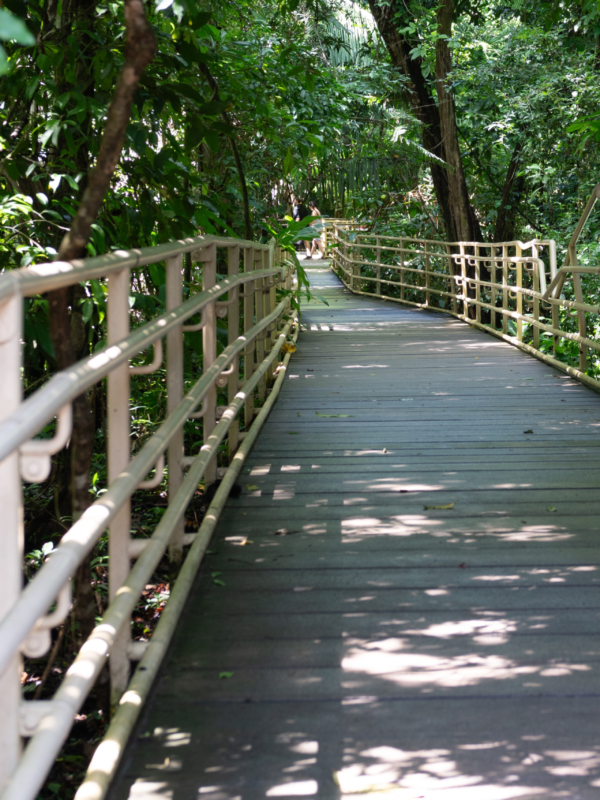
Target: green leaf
188 91
32 88
213 140
201 18
157 274
288 162
224 675
333 415
14 29
87 309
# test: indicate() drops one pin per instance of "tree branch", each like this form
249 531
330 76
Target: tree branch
214 86
140 49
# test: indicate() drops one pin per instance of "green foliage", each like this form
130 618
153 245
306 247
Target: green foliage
314 108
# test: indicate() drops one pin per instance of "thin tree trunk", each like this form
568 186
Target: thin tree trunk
504 230
139 51
440 135
389 19
466 223
214 86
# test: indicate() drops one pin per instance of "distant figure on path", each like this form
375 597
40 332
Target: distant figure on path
299 212
318 226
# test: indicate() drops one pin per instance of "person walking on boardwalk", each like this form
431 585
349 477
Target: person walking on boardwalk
299 212
317 226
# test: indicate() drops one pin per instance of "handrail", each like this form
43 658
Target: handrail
570 265
45 277
25 624
484 284
37 410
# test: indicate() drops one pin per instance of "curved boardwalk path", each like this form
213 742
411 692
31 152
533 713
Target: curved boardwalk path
378 644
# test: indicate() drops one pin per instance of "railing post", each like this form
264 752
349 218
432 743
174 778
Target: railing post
453 283
233 331
174 298
504 290
493 291
117 460
209 353
270 303
582 328
402 269
346 267
359 264
463 275
536 302
11 541
427 280
378 273
259 263
477 285
519 282
248 323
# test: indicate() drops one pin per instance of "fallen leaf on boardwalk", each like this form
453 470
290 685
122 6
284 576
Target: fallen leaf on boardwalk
251 487
333 415
293 433
368 785
529 431
168 765
298 414
223 675
529 379
450 505
216 579
550 508
463 565
239 540
284 532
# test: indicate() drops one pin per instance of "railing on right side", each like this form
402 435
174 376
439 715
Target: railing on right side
510 289
331 224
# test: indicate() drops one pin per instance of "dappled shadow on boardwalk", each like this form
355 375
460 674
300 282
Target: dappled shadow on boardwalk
403 602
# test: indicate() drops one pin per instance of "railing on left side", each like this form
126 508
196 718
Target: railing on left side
26 624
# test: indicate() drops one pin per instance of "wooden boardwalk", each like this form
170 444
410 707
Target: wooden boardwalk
410 605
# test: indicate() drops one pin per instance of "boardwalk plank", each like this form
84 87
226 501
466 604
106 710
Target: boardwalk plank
376 647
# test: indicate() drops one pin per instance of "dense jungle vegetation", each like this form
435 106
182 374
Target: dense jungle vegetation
470 119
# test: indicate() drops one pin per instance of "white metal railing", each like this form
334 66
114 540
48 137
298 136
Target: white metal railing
511 289
25 623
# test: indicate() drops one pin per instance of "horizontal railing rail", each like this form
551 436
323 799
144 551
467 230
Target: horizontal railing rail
26 626
511 289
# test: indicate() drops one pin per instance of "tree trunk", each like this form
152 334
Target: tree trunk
512 190
389 18
214 87
440 135
464 218
65 320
